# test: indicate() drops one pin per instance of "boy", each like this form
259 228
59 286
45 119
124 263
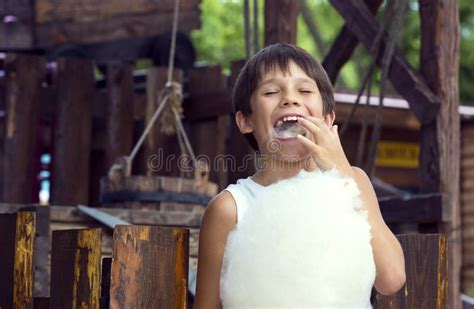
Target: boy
284 98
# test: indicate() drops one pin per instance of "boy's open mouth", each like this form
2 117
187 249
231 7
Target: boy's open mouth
288 127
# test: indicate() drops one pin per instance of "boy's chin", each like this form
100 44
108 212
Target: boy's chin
293 153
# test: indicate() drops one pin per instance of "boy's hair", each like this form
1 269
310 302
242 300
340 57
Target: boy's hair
278 56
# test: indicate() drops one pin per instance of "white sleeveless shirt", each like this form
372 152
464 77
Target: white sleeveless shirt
243 192
298 243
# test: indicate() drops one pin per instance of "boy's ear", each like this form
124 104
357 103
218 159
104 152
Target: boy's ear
330 118
244 124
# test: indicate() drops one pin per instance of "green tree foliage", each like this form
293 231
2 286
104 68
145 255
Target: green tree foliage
220 40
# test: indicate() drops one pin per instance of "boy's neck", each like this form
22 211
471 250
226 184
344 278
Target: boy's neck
276 170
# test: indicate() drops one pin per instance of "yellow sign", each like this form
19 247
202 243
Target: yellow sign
397 154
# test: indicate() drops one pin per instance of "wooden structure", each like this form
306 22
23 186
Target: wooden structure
146 259
149 268
45 23
86 127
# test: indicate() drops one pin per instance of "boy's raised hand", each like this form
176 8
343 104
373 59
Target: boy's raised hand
326 149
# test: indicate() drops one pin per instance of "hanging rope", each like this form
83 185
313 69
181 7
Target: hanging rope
374 51
399 13
171 98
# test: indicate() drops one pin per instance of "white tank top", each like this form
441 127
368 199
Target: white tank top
243 192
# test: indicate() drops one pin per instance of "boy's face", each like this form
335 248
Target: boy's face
277 97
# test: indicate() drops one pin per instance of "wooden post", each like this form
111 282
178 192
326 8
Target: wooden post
72 145
75 268
344 45
24 74
426 268
217 127
120 112
280 21
16 259
440 142
149 267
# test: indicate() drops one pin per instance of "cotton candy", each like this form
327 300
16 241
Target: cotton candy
303 243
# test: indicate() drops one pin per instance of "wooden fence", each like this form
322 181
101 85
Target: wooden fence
149 268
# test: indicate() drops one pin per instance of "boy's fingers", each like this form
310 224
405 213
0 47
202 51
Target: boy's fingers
313 128
308 143
318 121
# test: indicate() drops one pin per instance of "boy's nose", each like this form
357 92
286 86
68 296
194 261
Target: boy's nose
290 102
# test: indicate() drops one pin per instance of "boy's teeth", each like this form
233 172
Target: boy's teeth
290 118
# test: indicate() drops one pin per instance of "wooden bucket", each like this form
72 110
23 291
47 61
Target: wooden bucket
179 202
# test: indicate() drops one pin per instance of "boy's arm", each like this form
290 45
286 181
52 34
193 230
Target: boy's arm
217 222
388 254
328 153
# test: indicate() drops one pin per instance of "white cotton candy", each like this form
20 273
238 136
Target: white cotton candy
303 243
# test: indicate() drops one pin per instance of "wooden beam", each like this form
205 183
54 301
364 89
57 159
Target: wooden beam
149 263
16 262
408 83
119 118
344 45
72 138
440 141
421 208
426 270
280 21
24 74
75 268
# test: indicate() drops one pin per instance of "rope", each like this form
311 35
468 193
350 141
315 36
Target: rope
394 31
173 42
375 51
363 130
172 89
147 130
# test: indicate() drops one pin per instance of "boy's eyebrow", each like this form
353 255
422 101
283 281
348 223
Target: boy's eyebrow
298 79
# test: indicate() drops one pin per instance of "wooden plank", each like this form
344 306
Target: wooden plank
208 105
119 118
407 82
440 143
24 74
75 268
149 267
344 45
16 264
41 243
427 278
17 32
72 145
112 29
69 214
421 208
84 11
280 21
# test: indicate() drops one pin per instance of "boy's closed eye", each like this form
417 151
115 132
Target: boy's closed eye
267 93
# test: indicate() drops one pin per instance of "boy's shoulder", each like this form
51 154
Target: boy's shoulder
221 209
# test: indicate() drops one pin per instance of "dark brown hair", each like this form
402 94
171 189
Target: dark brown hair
278 56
